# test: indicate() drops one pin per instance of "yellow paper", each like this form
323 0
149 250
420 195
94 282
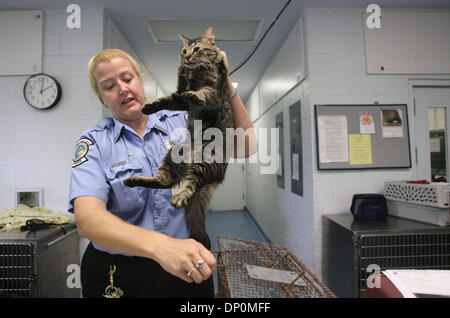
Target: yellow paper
360 149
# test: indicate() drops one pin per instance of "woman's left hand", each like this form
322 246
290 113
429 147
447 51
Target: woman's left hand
225 59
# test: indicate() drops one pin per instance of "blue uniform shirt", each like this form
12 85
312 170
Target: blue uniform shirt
110 152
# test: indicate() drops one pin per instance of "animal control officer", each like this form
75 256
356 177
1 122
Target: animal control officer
139 244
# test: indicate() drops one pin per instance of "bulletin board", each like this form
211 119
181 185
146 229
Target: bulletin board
362 137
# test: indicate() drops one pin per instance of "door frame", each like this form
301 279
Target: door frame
420 83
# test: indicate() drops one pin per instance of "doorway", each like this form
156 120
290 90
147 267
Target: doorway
432 120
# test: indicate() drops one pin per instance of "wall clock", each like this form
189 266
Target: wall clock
42 91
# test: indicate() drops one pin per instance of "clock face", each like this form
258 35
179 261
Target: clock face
42 91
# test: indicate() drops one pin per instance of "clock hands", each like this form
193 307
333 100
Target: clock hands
43 90
42 85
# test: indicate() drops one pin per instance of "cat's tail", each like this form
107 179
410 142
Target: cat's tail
195 212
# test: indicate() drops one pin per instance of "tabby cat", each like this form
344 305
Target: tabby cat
202 92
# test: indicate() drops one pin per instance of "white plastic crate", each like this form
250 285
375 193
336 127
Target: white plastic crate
435 194
427 214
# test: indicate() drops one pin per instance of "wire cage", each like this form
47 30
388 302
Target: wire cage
16 269
429 250
248 269
34 263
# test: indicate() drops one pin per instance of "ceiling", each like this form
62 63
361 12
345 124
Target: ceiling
161 59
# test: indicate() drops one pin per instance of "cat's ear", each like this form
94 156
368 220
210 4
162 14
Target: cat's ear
184 39
209 35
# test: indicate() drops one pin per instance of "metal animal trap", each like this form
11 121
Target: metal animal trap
248 269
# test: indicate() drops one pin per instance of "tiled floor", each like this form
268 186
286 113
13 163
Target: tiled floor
236 224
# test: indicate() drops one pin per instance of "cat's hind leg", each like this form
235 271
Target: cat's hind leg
197 176
196 210
180 199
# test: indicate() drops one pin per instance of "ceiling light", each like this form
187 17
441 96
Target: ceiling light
168 30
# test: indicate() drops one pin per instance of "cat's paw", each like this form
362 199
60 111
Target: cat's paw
193 98
179 200
150 108
132 182
154 106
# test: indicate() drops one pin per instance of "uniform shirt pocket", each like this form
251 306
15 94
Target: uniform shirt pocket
123 199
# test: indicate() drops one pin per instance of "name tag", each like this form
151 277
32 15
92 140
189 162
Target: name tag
121 163
161 128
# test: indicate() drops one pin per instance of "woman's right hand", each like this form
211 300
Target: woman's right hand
175 256
178 257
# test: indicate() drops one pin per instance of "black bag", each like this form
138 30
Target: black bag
369 206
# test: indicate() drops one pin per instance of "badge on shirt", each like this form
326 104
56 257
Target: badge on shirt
81 150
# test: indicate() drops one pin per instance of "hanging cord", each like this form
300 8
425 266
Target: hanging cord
260 41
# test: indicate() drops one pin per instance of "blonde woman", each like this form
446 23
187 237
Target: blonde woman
137 238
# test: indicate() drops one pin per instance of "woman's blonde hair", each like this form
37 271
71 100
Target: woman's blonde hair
107 55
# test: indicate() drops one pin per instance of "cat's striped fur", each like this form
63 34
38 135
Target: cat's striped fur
202 92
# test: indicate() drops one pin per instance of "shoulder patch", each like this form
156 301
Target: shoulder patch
81 150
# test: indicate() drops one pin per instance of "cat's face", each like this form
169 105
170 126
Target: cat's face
198 51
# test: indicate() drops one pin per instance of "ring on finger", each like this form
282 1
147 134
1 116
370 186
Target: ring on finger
189 273
200 263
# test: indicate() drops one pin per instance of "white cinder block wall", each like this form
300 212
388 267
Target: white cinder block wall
337 68
36 147
335 56
336 53
285 217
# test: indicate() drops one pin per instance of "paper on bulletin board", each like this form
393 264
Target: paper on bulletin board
333 141
366 123
435 144
280 165
392 123
295 167
360 148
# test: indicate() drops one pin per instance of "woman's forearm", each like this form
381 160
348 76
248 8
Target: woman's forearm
240 114
242 121
175 256
103 228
